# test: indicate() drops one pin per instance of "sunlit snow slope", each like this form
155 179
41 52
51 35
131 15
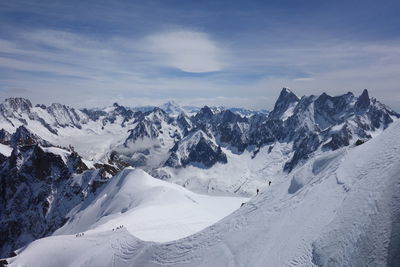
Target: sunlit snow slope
339 209
149 208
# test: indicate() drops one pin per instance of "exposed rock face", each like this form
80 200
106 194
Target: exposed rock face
18 105
110 116
286 100
205 114
339 139
325 121
330 110
16 110
184 123
363 101
37 190
25 137
309 123
149 125
196 149
5 137
64 116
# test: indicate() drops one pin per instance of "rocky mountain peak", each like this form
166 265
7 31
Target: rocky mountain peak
331 110
196 149
5 137
65 116
286 100
184 122
229 116
156 115
23 136
18 104
158 111
123 111
363 101
205 113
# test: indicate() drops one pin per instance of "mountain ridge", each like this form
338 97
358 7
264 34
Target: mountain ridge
291 119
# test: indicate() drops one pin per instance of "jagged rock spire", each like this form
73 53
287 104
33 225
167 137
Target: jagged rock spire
285 100
363 101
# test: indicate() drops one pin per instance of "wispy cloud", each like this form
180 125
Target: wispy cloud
95 52
82 70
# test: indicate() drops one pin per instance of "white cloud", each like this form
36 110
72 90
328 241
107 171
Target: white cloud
188 51
303 79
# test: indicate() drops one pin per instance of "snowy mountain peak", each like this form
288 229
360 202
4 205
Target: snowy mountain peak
17 104
286 91
284 105
66 116
171 107
157 115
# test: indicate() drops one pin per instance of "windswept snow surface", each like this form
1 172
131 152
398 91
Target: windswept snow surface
148 208
345 211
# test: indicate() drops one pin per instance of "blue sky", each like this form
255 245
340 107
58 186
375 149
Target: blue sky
232 53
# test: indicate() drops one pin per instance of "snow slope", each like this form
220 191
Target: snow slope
242 174
343 211
148 208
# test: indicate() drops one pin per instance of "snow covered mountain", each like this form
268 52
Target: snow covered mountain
152 138
53 159
341 208
149 138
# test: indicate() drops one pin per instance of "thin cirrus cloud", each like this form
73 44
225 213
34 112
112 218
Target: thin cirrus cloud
65 65
54 51
188 51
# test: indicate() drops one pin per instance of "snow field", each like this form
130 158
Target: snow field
150 209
